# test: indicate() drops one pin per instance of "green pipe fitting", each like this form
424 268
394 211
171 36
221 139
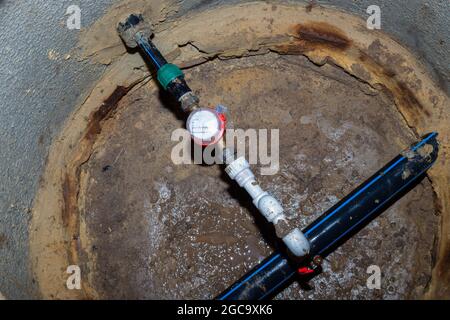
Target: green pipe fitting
167 73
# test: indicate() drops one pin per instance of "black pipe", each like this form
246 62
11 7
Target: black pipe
178 88
340 222
152 52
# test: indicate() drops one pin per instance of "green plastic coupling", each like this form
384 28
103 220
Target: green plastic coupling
167 73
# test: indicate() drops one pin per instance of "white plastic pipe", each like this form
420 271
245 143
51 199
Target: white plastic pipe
269 207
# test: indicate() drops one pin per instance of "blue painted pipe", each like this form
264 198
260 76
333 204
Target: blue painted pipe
340 222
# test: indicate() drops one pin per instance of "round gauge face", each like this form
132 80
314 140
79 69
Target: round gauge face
204 126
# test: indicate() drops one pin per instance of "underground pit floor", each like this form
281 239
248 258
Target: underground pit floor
159 230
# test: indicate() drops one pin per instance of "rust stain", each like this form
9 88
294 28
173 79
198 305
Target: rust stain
105 111
70 187
409 99
65 213
322 34
400 90
313 36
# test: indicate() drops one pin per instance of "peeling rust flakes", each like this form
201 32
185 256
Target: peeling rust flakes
388 72
94 128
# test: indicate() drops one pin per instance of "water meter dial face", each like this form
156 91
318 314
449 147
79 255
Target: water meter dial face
206 126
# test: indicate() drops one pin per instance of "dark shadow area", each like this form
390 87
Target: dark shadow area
170 103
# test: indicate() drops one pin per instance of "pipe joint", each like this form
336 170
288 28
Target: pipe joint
239 167
270 208
297 243
239 170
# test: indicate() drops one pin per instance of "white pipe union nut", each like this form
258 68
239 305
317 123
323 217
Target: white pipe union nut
297 243
239 170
